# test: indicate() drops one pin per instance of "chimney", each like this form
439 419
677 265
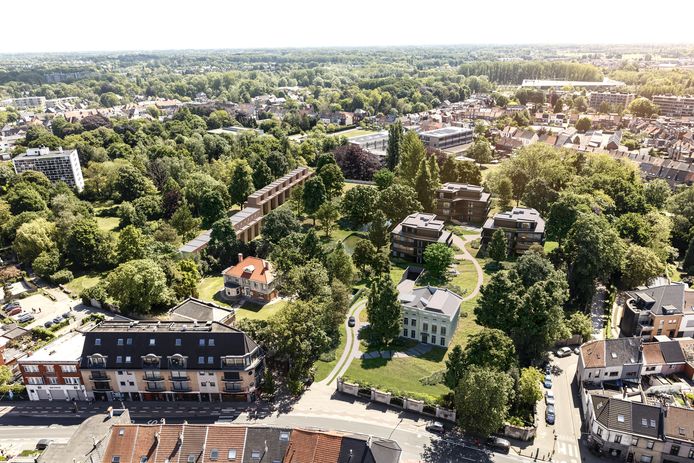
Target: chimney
266 264
240 256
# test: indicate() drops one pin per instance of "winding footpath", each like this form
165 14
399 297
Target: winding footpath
460 243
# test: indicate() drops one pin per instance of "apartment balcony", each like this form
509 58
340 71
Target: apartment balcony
153 376
155 387
233 388
98 376
179 377
181 388
102 387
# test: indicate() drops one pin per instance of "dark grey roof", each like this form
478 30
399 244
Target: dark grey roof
267 442
646 420
631 417
672 352
385 451
656 297
227 341
432 299
622 351
354 449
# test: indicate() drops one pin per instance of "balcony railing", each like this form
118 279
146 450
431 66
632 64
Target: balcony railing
102 387
233 388
96 376
153 376
181 388
155 387
179 378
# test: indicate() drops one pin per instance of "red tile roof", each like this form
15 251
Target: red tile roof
258 273
313 447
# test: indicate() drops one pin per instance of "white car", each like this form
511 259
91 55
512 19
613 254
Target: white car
549 398
564 352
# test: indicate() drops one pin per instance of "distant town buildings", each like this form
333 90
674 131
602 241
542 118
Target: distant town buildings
430 314
251 278
57 165
560 84
523 227
411 236
447 137
462 203
611 98
26 102
375 143
170 360
675 106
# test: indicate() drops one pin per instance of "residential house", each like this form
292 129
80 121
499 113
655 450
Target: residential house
462 203
679 435
202 311
411 236
650 311
666 356
430 315
523 227
251 278
53 372
170 360
617 359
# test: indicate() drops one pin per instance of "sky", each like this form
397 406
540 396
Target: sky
94 25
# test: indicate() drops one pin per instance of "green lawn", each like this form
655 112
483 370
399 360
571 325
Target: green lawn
208 290
550 246
466 279
323 369
349 185
83 282
400 375
108 224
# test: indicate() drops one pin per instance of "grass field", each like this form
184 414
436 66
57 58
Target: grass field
108 224
351 133
551 246
208 290
83 282
323 369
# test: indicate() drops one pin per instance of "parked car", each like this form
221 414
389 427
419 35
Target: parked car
351 321
436 427
549 398
10 305
48 324
499 444
42 444
67 315
25 318
548 381
57 319
13 310
549 414
564 352
577 350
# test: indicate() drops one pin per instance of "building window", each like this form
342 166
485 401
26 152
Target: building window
210 342
201 343
129 341
203 383
649 444
433 329
52 380
31 368
232 454
405 322
599 432
97 342
115 459
120 341
210 360
691 454
442 341
284 436
255 455
617 438
214 454
143 459
405 332
652 422
73 381
634 441
443 331
413 322
433 339
128 359
201 360
119 359
412 335
68 368
152 341
675 449
646 459
425 327
178 342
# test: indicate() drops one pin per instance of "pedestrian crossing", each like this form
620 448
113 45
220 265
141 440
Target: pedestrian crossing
566 452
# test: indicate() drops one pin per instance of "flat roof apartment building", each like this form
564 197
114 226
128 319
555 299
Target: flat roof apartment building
53 373
411 236
375 143
523 226
611 98
57 165
170 360
462 203
675 106
447 137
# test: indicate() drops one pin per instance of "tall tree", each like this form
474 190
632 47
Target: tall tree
339 266
437 259
34 238
498 246
132 244
490 348
378 230
138 285
412 152
481 151
314 196
426 184
363 254
395 135
328 214
482 400
397 202
384 311
279 223
241 183
333 180
639 266
359 204
505 191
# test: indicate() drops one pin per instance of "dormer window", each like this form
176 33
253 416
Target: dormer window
177 361
150 361
97 341
152 341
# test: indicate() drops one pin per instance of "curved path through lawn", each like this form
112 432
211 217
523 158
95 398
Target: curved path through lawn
352 345
465 255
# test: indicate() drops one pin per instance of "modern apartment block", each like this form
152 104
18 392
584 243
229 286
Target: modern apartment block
462 203
26 102
376 143
663 309
170 360
523 226
251 278
447 137
675 106
247 222
430 314
611 98
411 236
53 372
57 165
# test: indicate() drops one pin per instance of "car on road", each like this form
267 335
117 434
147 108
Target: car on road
48 324
57 319
67 315
549 414
548 382
499 444
577 350
42 444
10 305
549 398
436 427
564 352
351 321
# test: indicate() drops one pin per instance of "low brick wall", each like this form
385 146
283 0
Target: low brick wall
524 433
